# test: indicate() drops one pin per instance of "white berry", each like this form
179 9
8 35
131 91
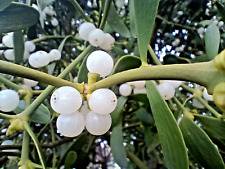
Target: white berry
70 125
9 100
174 83
197 103
96 37
206 96
85 29
103 101
29 46
39 59
9 54
66 100
166 90
84 108
125 89
7 40
139 90
100 62
54 54
108 42
30 82
97 124
9 142
54 22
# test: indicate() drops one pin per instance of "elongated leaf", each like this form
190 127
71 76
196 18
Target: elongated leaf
4 4
173 146
212 41
127 62
213 126
40 115
83 72
116 22
18 41
200 145
145 14
71 158
221 9
16 17
116 139
60 48
132 19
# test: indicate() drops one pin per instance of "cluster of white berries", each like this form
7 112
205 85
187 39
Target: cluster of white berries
166 88
42 58
125 89
9 100
94 114
48 10
7 41
196 103
95 36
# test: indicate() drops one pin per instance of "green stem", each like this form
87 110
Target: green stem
175 24
203 73
178 103
136 160
153 55
47 37
9 84
6 116
36 142
105 13
25 148
79 9
18 70
54 159
212 110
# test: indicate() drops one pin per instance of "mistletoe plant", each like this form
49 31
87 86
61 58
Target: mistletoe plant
66 83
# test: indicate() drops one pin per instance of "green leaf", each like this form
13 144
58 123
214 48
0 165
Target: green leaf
44 3
200 145
17 17
116 139
212 41
4 4
60 48
40 115
126 62
132 18
221 9
83 72
117 112
153 143
116 23
144 116
173 146
71 158
18 41
145 14
213 126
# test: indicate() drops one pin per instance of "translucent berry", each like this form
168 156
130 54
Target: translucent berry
29 46
66 100
70 125
39 59
138 83
197 103
54 54
174 83
85 29
7 40
108 42
54 22
26 55
103 101
206 96
9 54
84 108
125 89
139 90
100 62
25 86
48 10
97 124
96 37
166 90
30 82
9 100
